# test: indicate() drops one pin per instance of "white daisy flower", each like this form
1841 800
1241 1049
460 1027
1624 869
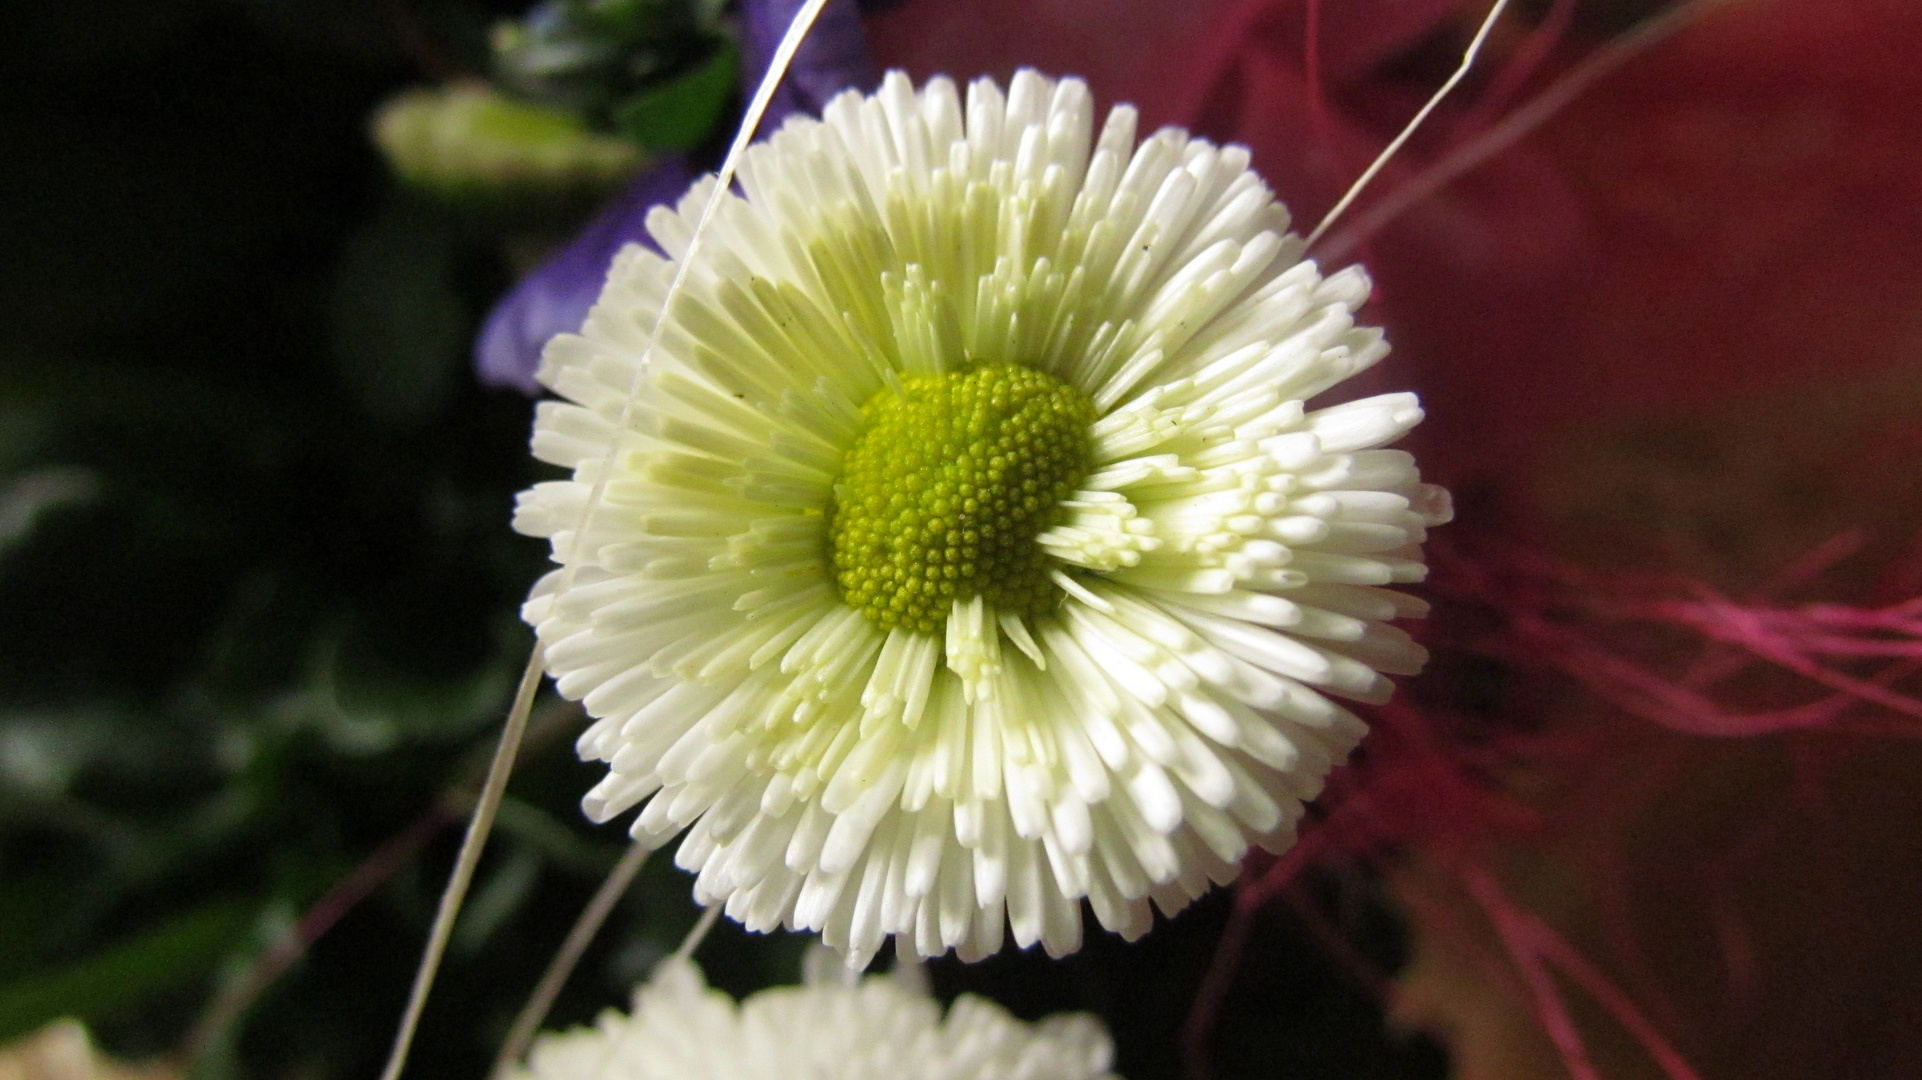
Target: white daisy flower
969 551
876 1028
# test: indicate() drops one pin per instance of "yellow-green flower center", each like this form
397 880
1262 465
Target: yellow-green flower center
943 494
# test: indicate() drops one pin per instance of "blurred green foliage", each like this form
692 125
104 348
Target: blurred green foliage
679 113
659 71
257 590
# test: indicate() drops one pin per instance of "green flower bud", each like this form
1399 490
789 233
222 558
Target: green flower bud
471 145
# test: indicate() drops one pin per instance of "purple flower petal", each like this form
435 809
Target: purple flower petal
554 298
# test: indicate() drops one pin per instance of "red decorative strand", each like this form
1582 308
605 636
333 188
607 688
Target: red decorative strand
1424 783
1535 947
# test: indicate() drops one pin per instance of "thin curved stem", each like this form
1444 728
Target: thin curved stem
1512 127
698 934
1394 146
592 918
470 852
276 959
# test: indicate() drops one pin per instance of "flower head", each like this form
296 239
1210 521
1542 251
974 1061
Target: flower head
968 550
876 1028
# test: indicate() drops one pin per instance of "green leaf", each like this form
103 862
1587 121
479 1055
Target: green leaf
31 908
680 113
172 954
501 894
375 690
545 834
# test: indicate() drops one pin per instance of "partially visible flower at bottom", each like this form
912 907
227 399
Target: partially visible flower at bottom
64 1051
969 550
832 1028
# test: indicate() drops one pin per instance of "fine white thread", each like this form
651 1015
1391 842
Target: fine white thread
1395 145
